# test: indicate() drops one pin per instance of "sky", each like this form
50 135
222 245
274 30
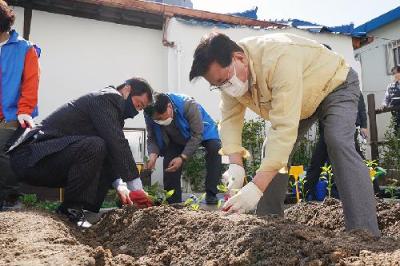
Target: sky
324 12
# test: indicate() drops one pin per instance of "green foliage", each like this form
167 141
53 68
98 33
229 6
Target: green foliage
392 188
253 136
194 170
158 195
327 174
48 205
301 183
31 201
390 150
193 202
222 188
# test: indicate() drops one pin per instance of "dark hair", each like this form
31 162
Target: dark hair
214 47
395 70
139 87
159 105
7 17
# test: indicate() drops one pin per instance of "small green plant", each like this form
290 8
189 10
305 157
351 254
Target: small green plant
222 188
392 188
193 202
389 152
158 195
48 205
371 163
302 181
327 174
31 201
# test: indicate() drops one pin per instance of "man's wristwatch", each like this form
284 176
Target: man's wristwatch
183 157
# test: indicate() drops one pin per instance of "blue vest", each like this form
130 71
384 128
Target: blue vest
12 61
210 130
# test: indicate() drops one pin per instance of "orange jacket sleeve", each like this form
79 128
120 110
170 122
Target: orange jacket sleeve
30 83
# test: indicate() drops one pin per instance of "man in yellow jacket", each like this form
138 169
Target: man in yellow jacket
290 81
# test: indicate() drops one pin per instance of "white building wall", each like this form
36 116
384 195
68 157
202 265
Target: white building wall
375 77
82 55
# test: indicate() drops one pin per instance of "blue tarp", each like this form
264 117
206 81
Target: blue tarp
252 13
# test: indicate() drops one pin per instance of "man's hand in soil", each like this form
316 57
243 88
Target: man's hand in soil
140 199
245 200
248 197
175 164
123 194
151 163
234 177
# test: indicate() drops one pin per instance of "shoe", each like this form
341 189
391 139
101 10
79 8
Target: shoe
75 215
211 199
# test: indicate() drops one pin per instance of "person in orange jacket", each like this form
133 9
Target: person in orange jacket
19 83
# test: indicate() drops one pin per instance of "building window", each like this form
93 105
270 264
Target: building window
392 55
396 56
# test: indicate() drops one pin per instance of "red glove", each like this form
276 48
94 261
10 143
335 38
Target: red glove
140 199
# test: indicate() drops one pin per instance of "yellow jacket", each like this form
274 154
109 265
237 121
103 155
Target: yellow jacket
289 77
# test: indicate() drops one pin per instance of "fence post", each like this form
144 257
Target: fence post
373 129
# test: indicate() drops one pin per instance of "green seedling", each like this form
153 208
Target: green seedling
302 182
194 202
29 200
392 188
158 195
222 188
327 174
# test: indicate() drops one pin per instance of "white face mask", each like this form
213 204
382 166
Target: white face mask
165 122
235 87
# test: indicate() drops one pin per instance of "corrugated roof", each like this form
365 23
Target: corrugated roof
380 21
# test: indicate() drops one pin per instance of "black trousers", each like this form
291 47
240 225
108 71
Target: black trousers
8 179
82 169
319 158
172 180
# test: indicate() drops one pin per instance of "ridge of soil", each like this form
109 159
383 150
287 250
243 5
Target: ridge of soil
172 235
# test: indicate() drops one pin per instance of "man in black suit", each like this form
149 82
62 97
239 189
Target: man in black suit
81 147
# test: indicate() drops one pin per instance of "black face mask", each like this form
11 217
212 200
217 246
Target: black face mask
129 110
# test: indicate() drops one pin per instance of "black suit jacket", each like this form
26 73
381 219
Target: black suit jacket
95 114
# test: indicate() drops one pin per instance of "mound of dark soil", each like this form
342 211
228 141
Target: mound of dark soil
329 215
169 236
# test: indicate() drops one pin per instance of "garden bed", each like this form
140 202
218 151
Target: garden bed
169 235
329 215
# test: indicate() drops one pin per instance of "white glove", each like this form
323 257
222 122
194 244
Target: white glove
26 121
234 177
135 184
121 186
122 191
245 200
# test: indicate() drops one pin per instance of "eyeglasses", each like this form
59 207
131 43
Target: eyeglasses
221 87
224 84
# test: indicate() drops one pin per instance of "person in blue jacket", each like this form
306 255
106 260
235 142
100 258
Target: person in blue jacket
19 85
177 125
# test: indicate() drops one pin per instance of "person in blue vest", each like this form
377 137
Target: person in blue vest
19 84
177 125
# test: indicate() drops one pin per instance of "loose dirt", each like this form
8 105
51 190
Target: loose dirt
172 235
